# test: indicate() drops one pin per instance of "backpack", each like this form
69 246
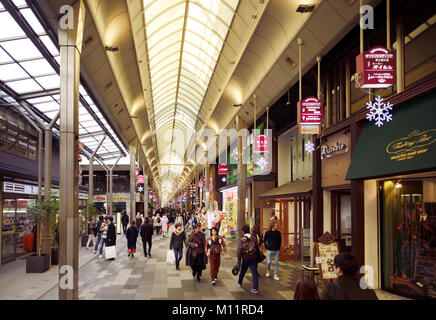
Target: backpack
248 246
158 220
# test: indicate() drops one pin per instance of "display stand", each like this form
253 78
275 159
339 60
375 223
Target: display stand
324 253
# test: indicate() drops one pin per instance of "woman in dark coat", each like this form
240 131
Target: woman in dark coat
196 256
132 236
111 239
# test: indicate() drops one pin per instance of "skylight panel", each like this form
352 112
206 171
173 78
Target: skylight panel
38 67
21 49
32 20
8 27
24 86
12 72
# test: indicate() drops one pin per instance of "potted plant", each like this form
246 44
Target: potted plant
86 213
42 213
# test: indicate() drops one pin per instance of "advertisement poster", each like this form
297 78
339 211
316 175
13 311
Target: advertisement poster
326 256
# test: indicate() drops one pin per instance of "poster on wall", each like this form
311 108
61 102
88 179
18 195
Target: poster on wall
231 213
325 255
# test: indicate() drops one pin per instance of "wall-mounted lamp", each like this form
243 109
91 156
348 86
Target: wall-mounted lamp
398 185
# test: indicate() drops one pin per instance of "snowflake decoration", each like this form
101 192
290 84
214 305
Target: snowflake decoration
262 163
140 189
309 147
379 111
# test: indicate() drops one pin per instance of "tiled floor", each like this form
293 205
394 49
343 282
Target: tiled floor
143 278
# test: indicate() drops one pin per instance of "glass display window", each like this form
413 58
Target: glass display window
408 213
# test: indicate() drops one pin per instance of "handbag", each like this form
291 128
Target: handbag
110 252
260 256
235 270
171 259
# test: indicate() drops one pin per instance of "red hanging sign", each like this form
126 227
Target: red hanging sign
137 171
223 169
140 179
376 68
310 111
261 143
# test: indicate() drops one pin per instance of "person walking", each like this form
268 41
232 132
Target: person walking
158 224
99 239
347 286
138 221
164 221
196 257
178 237
111 234
273 242
147 236
203 221
103 231
92 231
132 237
179 219
247 253
215 246
125 221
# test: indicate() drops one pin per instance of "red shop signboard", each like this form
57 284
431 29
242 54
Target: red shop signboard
376 68
223 169
310 111
261 143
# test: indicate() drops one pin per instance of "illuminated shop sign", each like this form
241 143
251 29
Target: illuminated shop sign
223 169
310 115
261 143
334 150
376 68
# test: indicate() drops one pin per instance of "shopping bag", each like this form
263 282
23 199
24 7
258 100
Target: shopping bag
171 259
110 252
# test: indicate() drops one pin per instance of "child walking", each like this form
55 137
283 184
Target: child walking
132 236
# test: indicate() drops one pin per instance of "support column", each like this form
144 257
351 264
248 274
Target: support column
91 172
242 173
70 42
357 207
207 182
400 53
132 153
46 238
145 191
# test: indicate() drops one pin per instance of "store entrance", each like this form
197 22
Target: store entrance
15 226
341 218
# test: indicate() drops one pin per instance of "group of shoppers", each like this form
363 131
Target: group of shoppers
103 233
201 250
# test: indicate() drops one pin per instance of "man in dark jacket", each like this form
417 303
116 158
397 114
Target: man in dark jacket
111 234
347 286
125 221
247 252
146 235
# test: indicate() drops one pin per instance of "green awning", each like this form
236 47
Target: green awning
404 145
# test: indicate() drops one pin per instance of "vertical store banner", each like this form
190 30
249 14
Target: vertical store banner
376 68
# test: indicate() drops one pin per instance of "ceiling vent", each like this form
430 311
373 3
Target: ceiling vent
305 8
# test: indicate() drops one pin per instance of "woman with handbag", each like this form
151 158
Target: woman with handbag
215 245
111 240
178 237
196 257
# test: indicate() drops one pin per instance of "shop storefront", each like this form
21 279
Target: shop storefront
335 161
398 163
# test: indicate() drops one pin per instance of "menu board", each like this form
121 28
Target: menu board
324 257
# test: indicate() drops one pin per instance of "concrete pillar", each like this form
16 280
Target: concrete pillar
207 182
70 42
46 238
91 180
132 152
242 173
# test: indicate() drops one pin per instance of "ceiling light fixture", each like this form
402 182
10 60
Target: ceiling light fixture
237 105
111 49
289 98
305 8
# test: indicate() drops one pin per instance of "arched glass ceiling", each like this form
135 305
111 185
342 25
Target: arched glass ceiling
184 40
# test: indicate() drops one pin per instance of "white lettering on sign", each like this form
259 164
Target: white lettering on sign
327 152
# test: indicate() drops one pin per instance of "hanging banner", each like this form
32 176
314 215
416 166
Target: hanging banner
376 68
310 111
261 143
223 169
140 180
137 171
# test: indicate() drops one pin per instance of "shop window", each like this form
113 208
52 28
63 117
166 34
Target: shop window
2 135
409 236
